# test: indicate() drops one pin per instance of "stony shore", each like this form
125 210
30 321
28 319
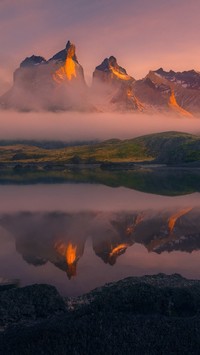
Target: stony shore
156 314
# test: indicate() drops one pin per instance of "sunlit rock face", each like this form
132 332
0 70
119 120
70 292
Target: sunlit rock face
186 86
160 94
57 83
169 91
67 67
109 71
173 104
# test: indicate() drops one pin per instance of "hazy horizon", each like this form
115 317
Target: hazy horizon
75 126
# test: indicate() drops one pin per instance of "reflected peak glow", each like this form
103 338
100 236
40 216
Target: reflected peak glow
71 254
173 219
119 249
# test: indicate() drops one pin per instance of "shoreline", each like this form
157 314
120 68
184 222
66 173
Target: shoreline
154 179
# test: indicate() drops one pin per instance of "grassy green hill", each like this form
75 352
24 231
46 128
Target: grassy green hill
172 147
166 148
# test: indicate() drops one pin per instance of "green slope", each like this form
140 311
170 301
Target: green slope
167 148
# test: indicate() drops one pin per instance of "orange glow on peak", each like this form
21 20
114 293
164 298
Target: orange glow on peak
172 220
70 69
66 71
175 106
119 75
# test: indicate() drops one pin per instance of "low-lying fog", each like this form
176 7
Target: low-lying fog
69 126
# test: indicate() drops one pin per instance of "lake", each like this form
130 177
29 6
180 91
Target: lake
81 236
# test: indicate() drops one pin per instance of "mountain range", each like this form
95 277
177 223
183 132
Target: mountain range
59 84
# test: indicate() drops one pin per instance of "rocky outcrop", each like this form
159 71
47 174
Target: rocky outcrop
31 303
152 314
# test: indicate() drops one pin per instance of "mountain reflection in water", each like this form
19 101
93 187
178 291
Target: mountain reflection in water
92 246
60 237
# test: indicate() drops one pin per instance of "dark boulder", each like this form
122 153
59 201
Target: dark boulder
29 303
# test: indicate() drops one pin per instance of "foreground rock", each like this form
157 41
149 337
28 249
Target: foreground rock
148 315
23 305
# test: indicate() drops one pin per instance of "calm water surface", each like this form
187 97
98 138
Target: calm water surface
80 236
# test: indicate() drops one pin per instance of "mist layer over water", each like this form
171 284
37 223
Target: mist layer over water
70 126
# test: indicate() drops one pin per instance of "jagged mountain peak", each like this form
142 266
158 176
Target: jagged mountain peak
68 44
59 82
69 51
33 60
109 69
68 67
155 76
117 85
187 79
109 63
161 71
165 72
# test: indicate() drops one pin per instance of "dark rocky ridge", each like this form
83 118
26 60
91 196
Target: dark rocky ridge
33 60
22 305
190 78
149 315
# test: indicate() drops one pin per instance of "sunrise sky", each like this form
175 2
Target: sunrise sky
142 34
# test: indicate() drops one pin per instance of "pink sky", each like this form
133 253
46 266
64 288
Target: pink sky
142 34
